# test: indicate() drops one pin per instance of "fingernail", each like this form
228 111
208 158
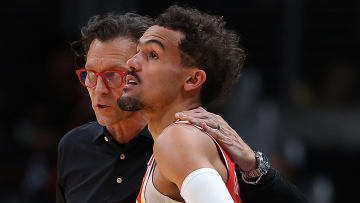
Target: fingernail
180 115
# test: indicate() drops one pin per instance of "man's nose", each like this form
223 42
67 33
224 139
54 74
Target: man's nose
133 63
100 87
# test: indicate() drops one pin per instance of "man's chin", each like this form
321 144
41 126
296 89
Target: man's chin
128 103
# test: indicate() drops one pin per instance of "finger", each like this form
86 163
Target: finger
196 121
192 119
219 118
190 114
181 116
212 120
197 110
212 124
199 122
211 131
214 117
190 111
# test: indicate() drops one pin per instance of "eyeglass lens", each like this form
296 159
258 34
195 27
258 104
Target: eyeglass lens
89 78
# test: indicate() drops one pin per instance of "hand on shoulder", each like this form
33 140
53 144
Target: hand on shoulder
226 136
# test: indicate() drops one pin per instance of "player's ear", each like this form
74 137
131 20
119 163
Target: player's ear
195 79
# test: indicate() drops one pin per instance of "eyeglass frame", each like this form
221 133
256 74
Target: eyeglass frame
122 74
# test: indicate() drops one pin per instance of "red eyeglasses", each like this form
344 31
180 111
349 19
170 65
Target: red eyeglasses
111 78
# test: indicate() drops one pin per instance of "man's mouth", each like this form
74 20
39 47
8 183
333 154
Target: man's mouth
102 106
131 80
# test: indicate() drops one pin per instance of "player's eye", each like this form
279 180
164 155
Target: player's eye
153 55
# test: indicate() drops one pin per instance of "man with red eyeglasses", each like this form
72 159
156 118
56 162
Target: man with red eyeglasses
105 160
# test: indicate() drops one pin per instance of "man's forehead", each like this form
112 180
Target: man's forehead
115 48
116 44
111 53
106 63
163 35
109 59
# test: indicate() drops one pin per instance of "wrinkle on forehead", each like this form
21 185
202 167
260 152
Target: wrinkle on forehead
118 47
110 53
164 34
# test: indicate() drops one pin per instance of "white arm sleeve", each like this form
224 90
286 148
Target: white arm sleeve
205 185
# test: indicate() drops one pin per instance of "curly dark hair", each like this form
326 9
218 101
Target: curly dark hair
207 45
110 26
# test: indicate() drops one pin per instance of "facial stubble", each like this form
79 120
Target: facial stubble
128 103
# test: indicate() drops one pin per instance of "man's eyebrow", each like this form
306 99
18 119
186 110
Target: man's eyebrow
154 41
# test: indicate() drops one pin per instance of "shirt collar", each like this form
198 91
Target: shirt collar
102 131
145 132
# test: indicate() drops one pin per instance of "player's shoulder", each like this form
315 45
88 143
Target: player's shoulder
185 132
182 148
181 137
84 132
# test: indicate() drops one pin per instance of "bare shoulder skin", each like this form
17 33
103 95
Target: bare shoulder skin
180 150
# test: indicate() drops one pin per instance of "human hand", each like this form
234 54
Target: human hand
227 137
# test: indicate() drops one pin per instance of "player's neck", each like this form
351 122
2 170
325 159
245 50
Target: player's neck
161 118
128 128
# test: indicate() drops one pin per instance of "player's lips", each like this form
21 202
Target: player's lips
130 81
102 106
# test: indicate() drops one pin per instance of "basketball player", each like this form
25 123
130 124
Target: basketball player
186 60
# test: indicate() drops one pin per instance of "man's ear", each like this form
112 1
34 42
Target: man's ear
195 79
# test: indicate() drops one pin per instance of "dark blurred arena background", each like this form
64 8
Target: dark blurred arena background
298 98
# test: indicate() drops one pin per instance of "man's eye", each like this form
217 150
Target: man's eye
153 55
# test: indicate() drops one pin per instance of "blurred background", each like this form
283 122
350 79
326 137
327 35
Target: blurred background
297 100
